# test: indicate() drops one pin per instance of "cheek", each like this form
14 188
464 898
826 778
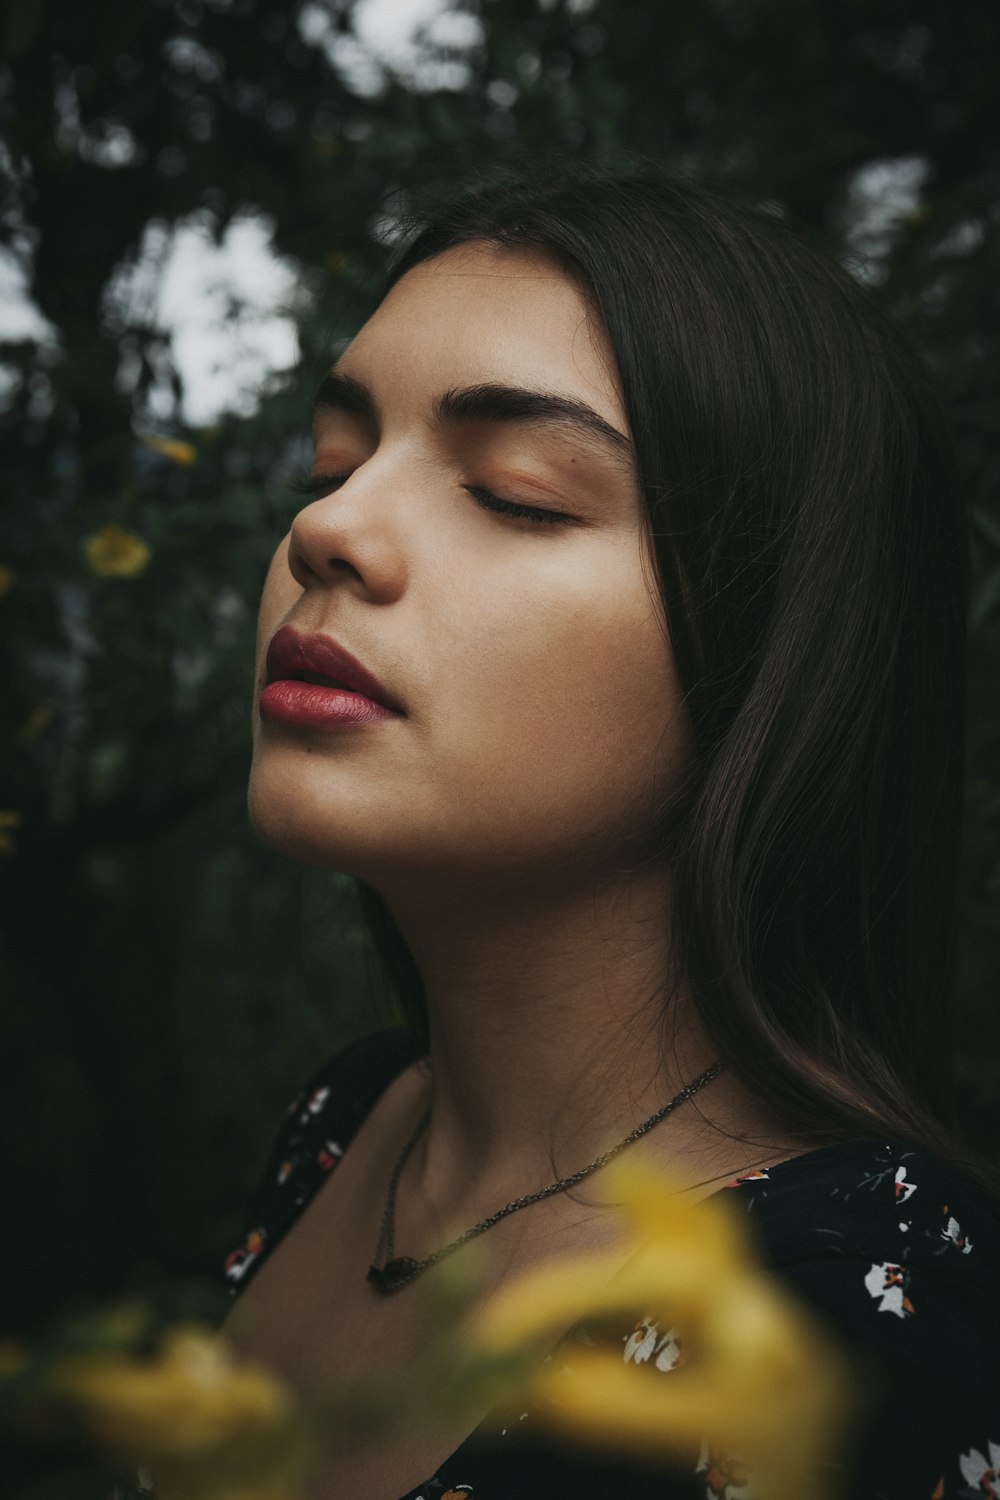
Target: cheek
570 706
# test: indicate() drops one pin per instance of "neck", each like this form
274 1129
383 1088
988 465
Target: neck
547 1024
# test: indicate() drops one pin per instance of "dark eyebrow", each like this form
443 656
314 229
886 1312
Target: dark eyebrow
508 403
482 403
343 393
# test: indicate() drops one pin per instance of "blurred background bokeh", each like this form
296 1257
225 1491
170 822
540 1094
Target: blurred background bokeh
198 199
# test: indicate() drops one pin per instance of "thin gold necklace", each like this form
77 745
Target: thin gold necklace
397 1271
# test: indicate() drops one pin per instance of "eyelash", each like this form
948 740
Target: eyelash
535 513
317 485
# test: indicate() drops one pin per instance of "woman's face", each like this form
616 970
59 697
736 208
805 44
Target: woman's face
535 716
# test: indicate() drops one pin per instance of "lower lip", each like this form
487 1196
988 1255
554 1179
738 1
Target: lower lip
308 705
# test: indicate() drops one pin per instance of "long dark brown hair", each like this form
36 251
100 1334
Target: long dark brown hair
804 510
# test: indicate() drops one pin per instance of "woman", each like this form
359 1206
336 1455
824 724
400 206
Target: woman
618 655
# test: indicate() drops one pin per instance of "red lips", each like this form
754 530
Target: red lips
292 655
314 685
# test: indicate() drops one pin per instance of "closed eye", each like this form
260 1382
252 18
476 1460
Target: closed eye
519 512
317 485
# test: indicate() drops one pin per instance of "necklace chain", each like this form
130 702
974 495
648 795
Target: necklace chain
398 1271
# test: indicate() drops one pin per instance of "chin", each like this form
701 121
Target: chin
289 837
294 819
319 822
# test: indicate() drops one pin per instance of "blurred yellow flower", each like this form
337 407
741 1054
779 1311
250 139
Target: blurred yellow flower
9 822
204 1422
7 579
176 449
760 1386
192 1397
752 1396
114 553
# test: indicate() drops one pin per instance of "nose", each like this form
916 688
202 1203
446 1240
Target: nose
352 537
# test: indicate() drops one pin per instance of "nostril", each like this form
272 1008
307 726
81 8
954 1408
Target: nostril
341 565
299 564
331 548
300 570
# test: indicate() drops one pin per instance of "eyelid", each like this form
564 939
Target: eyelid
539 515
318 485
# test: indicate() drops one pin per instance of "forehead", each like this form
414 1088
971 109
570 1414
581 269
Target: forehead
480 314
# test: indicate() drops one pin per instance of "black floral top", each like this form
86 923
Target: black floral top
896 1252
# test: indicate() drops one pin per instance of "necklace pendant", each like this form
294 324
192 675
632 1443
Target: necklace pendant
394 1274
400 1270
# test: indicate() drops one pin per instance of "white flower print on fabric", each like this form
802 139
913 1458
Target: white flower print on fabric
645 1342
524 1415
726 1476
904 1189
457 1492
953 1231
316 1100
889 1284
763 1174
328 1156
982 1475
242 1258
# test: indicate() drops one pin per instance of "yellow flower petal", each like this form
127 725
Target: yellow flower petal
176 449
685 1250
190 1398
201 1421
602 1398
760 1379
114 553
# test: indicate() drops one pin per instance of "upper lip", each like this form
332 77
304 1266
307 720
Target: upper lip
290 654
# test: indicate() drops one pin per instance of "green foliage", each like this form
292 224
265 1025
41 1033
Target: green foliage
170 981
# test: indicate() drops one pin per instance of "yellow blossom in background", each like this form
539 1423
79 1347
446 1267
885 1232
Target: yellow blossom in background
7 579
761 1387
114 553
176 449
9 822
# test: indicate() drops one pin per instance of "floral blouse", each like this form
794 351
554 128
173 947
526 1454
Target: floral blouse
896 1252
